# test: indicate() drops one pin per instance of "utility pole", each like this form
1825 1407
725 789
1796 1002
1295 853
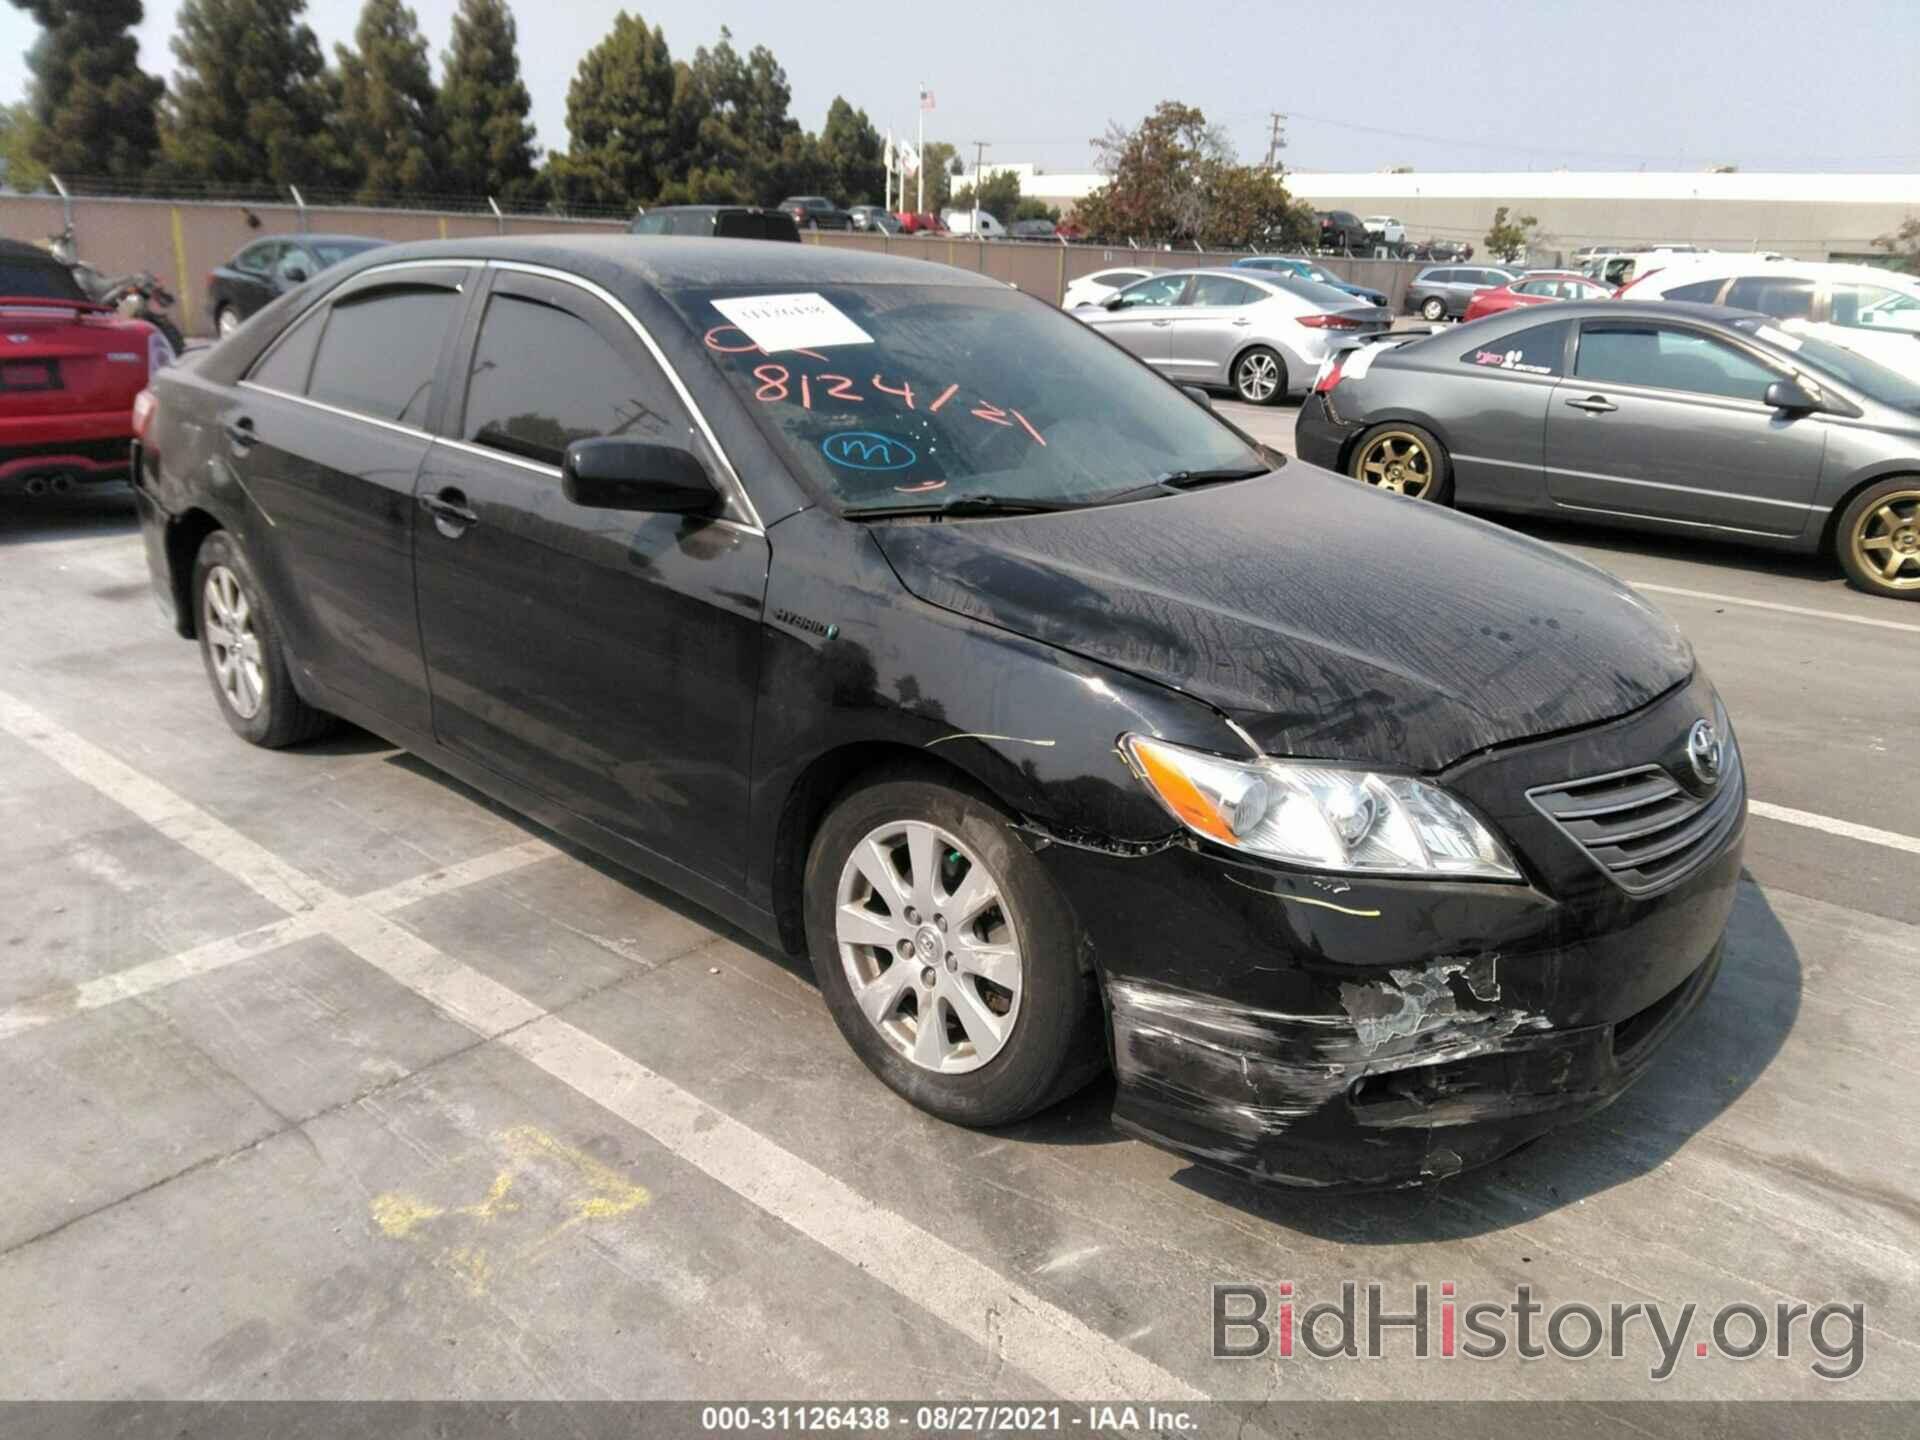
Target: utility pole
1277 141
920 188
979 150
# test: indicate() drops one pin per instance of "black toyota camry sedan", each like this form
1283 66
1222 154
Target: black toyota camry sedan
1058 723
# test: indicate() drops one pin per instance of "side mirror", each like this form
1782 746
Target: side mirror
1198 396
1112 302
1792 396
617 474
295 274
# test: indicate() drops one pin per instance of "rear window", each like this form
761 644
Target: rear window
1703 291
902 395
1537 350
30 278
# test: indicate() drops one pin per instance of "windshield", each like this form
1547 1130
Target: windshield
909 396
28 278
1851 368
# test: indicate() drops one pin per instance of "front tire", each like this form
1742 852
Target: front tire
226 320
1404 460
1878 539
245 659
950 962
1434 308
1260 377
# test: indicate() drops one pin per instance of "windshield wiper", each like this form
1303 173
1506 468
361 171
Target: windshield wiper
1188 480
961 506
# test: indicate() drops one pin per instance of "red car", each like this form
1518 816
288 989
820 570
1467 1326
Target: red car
920 224
69 370
1537 287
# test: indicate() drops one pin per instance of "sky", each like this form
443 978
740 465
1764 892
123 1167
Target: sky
1460 85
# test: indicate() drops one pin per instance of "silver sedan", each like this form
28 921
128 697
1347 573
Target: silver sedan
1261 336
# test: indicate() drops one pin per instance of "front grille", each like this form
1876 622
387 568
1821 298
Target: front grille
1641 826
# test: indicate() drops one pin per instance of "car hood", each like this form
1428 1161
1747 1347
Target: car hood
1326 618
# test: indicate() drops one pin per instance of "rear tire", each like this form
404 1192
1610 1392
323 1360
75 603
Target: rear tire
1434 308
1405 460
894 849
226 320
1260 376
1878 539
245 658
172 331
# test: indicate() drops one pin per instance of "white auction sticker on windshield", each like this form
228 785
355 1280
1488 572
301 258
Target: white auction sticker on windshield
791 322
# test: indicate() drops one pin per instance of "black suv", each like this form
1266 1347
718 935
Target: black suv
718 222
1341 231
816 212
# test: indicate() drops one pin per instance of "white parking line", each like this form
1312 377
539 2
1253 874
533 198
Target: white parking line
1892 839
1007 1320
1872 620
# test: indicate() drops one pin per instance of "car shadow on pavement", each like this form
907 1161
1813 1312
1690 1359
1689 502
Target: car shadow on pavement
1708 1064
77 515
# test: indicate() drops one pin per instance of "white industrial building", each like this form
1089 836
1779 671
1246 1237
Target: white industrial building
1814 217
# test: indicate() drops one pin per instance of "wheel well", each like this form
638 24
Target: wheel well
1830 536
824 781
185 535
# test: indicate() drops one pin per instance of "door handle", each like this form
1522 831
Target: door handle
449 510
240 432
1163 322
1594 405
1242 320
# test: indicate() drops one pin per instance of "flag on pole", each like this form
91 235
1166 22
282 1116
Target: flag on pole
926 98
908 158
893 161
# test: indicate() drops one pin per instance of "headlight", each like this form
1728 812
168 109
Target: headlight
1321 816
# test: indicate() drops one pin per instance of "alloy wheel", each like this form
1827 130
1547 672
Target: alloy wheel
226 619
1886 541
929 946
226 322
1397 461
1258 377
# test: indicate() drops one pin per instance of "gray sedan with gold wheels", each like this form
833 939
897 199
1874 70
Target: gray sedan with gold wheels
1683 419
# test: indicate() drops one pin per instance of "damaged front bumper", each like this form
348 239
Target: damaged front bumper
1331 1031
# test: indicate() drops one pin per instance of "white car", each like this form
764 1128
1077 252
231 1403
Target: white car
960 222
1873 312
1385 228
1092 289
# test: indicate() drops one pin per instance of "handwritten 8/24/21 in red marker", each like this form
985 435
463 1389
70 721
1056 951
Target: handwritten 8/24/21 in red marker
779 383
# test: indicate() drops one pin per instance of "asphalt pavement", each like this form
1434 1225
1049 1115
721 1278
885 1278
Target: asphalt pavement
323 1077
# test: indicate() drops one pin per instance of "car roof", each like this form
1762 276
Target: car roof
668 262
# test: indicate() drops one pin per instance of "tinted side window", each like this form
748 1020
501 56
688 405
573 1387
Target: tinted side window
1704 291
1537 350
1781 296
542 378
379 350
286 365
650 225
1219 290
258 259
1670 360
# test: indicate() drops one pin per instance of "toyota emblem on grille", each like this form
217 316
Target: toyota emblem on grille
1704 752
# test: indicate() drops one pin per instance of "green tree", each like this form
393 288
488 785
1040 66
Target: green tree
1249 205
18 129
999 196
1509 235
1154 192
854 153
626 115
1904 245
94 106
1034 208
251 101
389 119
484 105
